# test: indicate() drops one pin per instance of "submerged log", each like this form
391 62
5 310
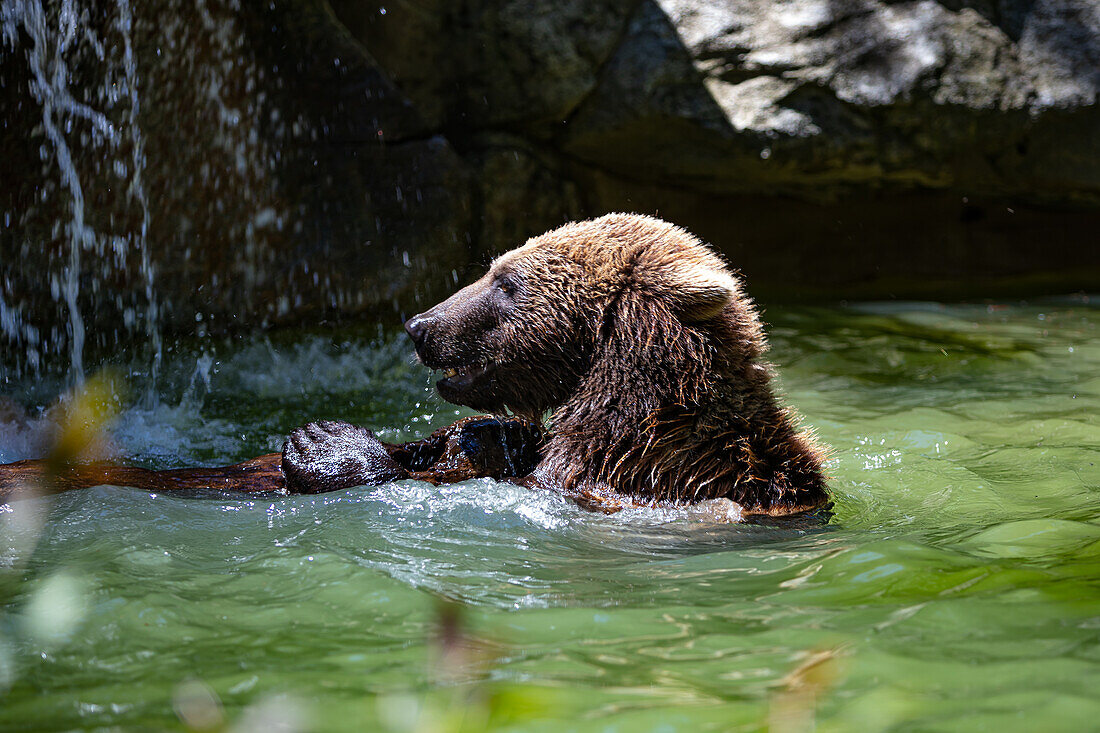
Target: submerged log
34 477
319 457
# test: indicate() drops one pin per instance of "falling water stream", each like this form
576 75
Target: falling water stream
48 44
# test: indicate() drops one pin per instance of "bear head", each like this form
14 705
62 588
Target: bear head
637 294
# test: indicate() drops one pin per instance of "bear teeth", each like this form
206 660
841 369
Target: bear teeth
455 371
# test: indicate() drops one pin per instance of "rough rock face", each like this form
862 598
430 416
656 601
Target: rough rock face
283 161
821 96
487 64
830 147
812 97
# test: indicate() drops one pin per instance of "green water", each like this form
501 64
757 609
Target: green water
957 587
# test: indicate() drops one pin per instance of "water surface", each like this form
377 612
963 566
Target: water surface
957 587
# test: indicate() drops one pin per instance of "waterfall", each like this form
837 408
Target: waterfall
137 190
101 126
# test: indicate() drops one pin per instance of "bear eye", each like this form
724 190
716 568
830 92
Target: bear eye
506 286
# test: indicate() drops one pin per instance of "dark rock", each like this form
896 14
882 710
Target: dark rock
467 66
522 190
917 245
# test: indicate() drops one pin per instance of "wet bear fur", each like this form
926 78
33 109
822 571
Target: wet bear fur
649 357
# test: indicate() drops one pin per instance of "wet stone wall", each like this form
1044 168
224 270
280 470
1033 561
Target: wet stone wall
191 166
198 165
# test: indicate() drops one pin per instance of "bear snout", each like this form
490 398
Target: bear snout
423 330
429 333
417 328
448 334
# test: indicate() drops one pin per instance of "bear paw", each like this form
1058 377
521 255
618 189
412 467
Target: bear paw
331 455
500 447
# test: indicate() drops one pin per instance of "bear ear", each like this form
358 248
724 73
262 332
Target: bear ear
699 290
706 293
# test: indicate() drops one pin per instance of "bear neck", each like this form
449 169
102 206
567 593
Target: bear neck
670 413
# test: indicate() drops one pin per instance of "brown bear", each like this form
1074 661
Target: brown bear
637 339
648 353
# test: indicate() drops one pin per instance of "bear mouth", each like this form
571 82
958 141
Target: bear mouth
461 378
